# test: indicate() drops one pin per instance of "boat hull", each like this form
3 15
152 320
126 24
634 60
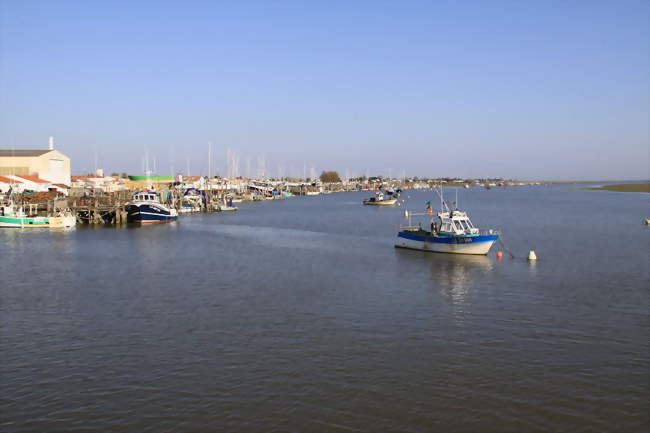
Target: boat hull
472 245
26 222
150 214
390 202
37 222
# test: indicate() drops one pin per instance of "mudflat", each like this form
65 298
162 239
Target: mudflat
624 187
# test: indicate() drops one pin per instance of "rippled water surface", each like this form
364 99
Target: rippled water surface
299 315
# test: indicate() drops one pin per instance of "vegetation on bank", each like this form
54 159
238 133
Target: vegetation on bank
624 187
330 177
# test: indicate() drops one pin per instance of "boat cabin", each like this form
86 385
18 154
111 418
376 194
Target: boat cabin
455 223
146 196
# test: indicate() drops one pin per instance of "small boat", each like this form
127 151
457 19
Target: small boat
192 201
13 216
146 208
452 233
647 221
184 208
392 193
380 200
227 206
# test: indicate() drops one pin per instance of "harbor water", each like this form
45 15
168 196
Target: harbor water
300 315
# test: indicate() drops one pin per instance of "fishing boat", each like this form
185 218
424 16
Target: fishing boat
146 208
380 200
192 201
13 216
452 233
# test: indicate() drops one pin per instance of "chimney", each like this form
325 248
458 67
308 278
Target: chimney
51 143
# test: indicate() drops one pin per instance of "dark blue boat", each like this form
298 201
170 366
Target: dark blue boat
146 208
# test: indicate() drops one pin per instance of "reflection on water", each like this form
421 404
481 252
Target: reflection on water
456 275
532 268
451 275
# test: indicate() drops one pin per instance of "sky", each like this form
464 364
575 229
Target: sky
553 90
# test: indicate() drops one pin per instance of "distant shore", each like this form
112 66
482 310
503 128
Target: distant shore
623 187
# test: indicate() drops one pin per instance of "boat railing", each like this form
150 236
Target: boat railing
490 232
410 228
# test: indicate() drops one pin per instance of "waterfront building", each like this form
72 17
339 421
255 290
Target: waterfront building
47 164
23 183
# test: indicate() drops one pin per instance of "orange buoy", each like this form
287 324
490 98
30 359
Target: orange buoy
499 255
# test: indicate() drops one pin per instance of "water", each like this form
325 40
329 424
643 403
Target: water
300 315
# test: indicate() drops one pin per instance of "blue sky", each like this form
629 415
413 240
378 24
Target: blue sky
520 89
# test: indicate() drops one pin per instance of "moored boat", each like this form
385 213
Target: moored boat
226 206
146 208
13 216
380 200
452 233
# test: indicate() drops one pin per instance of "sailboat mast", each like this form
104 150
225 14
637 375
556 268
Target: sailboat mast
209 159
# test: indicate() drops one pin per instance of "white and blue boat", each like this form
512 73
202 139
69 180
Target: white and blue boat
146 208
452 233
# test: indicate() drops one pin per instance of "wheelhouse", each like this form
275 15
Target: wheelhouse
456 223
147 196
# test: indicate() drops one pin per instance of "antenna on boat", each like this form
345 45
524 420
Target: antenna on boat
443 203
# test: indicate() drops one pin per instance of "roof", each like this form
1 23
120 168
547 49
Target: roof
8 180
32 178
62 185
23 152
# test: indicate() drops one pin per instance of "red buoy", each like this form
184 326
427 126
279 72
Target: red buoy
499 255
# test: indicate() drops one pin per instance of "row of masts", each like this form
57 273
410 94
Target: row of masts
149 166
